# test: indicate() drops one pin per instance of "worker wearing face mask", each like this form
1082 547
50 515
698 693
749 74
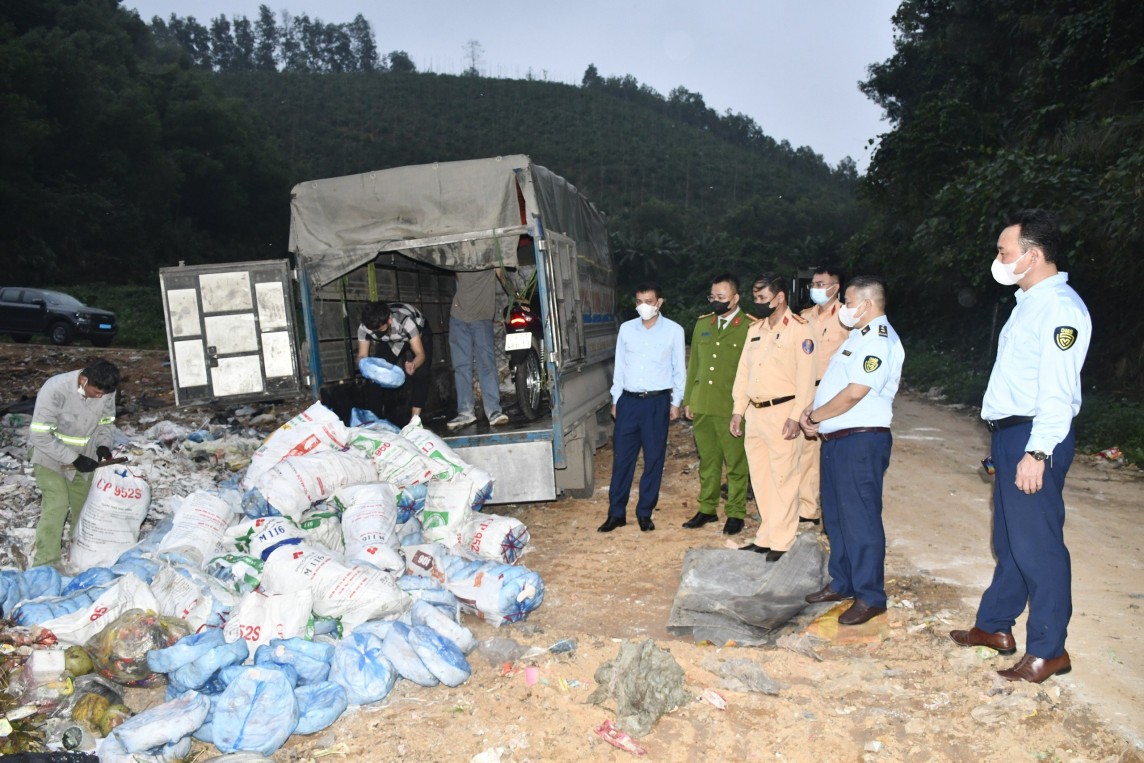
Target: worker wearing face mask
773 383
647 390
851 412
829 334
71 431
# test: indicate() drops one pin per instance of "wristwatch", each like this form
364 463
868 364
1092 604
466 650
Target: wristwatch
810 419
1039 455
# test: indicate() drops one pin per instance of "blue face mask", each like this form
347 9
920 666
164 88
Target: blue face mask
819 296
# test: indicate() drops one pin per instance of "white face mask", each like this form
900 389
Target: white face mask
1006 274
849 316
646 311
819 296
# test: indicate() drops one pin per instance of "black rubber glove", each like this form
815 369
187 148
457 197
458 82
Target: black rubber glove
84 464
102 453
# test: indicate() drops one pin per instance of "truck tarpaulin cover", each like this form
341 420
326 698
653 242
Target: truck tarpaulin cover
455 215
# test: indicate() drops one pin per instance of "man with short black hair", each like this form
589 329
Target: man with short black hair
71 431
773 382
1030 402
716 343
829 334
398 333
851 412
647 388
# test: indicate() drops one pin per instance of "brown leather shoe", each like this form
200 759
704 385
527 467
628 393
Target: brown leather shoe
1035 670
859 613
826 594
1002 642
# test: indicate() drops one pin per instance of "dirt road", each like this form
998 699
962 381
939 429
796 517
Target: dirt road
900 691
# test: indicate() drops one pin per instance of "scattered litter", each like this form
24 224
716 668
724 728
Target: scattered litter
1013 707
742 675
801 643
619 739
713 698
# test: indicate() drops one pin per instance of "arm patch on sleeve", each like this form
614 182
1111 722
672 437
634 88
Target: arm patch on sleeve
871 363
808 346
1065 337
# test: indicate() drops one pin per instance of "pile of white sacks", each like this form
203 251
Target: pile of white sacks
342 561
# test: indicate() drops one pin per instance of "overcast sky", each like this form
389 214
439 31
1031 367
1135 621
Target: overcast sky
791 65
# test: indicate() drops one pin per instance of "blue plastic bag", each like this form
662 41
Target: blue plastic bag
163 724
310 659
133 561
49 608
381 372
359 666
440 655
395 646
193 660
96 576
257 710
424 613
319 705
17 586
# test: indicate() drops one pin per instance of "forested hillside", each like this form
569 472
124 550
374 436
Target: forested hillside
127 145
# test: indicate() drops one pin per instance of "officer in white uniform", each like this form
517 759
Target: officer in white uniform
851 412
1030 402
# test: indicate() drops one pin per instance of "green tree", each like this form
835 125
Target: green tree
268 40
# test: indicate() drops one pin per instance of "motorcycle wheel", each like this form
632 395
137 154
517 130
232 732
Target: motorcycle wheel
529 389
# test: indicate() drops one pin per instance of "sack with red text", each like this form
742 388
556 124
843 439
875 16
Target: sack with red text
369 524
296 483
259 617
396 460
449 463
111 517
313 430
492 537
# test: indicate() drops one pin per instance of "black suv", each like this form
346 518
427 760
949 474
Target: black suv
24 312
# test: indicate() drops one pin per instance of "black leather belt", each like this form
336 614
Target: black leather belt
769 403
852 430
1008 421
653 393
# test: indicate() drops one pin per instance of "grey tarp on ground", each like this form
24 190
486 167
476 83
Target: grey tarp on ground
727 595
456 215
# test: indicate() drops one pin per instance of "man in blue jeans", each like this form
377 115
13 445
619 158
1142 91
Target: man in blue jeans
471 337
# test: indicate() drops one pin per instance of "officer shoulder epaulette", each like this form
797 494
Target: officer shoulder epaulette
750 318
799 318
882 330
705 315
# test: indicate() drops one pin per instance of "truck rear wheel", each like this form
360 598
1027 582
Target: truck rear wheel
529 389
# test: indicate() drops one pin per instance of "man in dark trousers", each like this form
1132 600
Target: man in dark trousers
1030 402
851 412
647 388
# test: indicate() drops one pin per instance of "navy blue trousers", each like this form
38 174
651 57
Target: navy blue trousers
641 424
1033 564
851 484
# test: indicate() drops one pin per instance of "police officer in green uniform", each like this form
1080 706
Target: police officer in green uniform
716 343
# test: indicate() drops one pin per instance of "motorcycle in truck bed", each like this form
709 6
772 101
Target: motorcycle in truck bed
400 235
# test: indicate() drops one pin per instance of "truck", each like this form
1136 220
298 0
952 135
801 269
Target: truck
279 328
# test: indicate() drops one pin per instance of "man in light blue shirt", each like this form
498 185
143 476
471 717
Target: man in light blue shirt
1029 405
647 389
851 412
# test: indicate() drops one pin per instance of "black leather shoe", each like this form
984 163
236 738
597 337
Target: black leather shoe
611 523
646 525
859 613
1002 642
733 526
774 556
814 522
826 594
756 549
699 520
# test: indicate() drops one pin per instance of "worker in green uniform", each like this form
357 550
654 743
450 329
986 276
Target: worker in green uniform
716 343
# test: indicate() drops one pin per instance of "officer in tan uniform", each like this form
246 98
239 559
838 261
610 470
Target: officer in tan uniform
829 334
716 343
773 384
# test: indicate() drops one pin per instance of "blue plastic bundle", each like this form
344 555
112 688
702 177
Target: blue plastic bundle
163 724
132 560
430 591
257 711
381 372
319 705
410 501
310 659
47 608
364 418
505 593
440 655
96 576
193 660
379 628
426 614
396 648
360 668
17 586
